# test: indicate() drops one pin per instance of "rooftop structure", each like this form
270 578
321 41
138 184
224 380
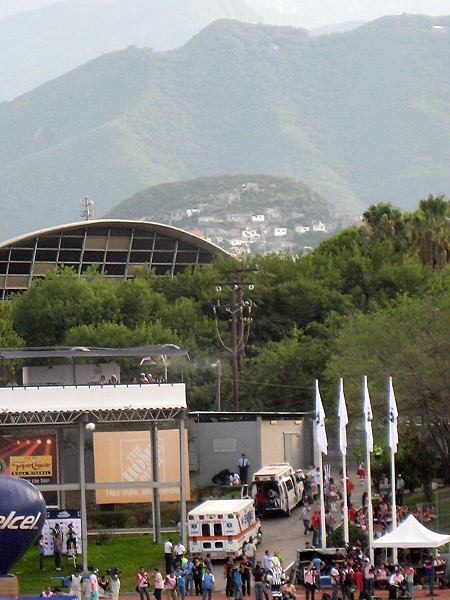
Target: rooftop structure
118 247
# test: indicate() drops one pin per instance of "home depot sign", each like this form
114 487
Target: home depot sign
125 456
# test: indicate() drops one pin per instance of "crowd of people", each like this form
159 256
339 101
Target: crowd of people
358 513
351 573
193 575
93 586
148 378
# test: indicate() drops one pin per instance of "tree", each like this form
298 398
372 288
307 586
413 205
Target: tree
54 304
386 223
409 340
429 228
8 339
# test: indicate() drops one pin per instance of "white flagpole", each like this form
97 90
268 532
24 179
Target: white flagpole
323 530
369 448
343 420
393 440
321 438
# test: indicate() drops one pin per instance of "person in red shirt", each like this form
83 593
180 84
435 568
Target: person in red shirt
351 513
359 579
260 503
349 487
315 524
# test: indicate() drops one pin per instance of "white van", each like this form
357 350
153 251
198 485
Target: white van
281 485
222 527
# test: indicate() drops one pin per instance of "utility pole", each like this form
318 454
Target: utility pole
240 312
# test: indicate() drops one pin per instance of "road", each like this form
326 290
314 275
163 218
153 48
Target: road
285 534
281 534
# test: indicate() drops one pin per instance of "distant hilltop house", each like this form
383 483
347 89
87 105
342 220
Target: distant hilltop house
258 218
250 234
280 231
251 185
319 227
302 229
192 211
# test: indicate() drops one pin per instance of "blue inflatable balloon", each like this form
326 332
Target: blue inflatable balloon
22 516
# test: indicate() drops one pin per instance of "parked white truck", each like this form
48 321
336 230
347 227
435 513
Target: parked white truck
280 486
222 527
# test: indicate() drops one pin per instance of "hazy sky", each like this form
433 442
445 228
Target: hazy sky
338 10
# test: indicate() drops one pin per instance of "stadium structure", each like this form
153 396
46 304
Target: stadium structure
118 247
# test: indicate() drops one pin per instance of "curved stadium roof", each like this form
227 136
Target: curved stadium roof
118 247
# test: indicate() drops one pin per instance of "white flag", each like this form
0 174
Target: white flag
393 418
368 416
321 434
343 419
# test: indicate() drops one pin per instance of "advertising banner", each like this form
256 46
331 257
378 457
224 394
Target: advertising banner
126 456
70 525
31 457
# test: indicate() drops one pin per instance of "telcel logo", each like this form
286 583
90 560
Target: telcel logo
15 521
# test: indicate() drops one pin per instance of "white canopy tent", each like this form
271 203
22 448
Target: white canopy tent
411 534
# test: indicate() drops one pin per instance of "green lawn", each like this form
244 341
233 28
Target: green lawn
125 552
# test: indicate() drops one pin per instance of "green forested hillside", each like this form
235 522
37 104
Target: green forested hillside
360 117
160 201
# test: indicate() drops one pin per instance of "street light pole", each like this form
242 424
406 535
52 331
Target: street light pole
218 366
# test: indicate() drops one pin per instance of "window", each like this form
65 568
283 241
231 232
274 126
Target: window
217 529
289 485
206 530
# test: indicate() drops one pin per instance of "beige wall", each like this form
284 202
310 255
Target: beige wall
272 441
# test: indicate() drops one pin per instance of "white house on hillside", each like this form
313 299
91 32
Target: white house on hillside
319 226
280 231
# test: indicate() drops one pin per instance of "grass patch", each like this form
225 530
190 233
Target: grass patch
125 552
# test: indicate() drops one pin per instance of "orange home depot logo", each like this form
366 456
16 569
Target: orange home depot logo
136 461
31 466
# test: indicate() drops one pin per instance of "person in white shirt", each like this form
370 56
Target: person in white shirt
243 464
317 479
179 551
93 585
250 552
115 583
335 582
75 584
168 555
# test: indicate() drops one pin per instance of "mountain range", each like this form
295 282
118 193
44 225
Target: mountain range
43 39
39 45
360 117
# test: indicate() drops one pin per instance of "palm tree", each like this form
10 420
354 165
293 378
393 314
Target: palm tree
387 224
429 231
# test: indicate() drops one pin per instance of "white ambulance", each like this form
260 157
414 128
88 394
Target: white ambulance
222 527
281 485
